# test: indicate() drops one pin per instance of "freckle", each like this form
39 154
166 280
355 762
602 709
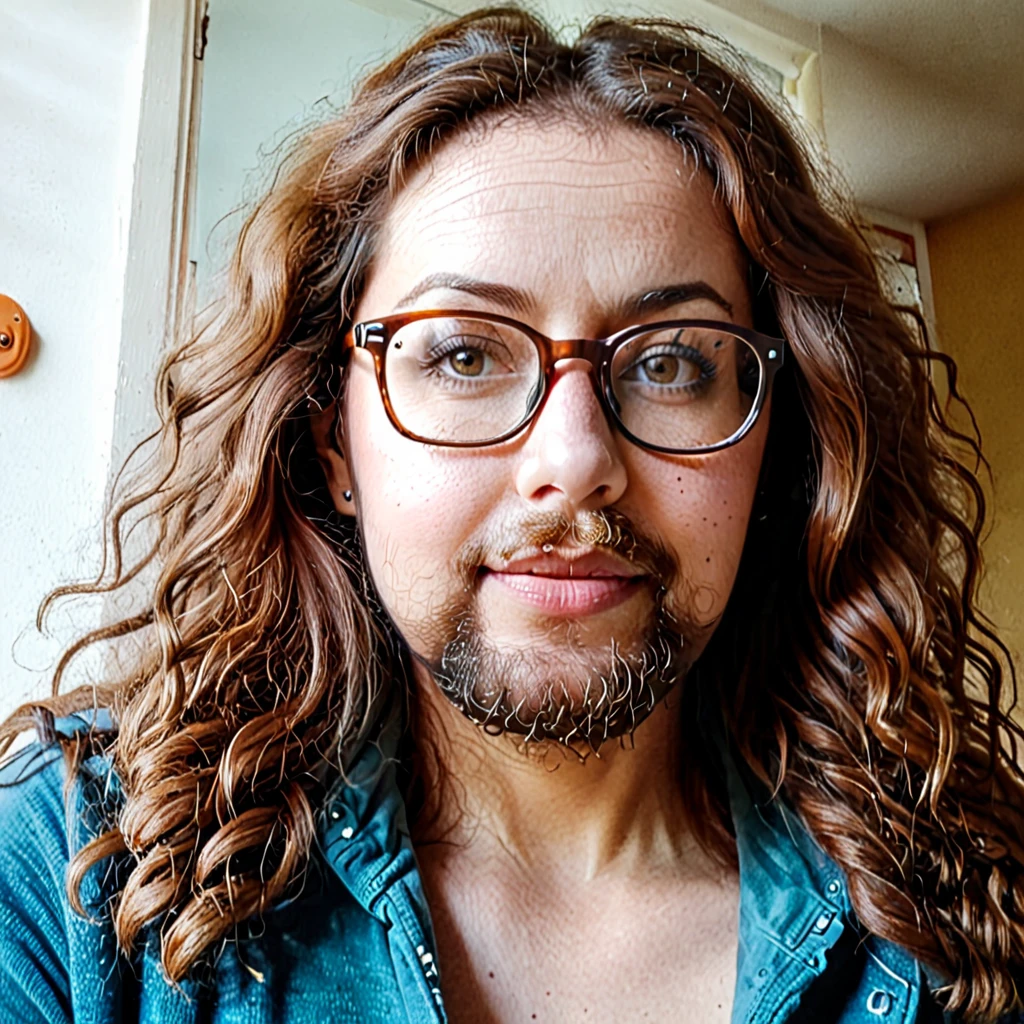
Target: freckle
708 559
705 518
714 524
490 974
547 993
679 479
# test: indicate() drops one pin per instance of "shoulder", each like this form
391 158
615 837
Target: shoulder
33 907
44 944
45 817
33 842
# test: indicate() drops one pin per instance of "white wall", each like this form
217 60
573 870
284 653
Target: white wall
70 81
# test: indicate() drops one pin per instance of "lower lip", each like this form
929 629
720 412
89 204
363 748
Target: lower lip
558 595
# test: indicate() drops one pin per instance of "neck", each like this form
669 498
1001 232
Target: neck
550 808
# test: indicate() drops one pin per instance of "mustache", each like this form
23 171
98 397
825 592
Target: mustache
606 529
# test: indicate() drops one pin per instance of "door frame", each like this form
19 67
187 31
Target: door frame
157 305
157 275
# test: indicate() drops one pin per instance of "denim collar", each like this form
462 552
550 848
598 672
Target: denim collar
794 904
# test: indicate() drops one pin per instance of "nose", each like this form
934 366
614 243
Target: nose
571 457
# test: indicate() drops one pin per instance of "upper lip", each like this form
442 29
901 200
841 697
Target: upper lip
575 563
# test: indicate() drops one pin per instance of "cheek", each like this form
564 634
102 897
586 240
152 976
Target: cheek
701 509
417 507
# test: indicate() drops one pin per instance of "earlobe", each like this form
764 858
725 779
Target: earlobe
322 423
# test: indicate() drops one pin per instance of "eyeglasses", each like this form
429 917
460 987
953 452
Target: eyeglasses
465 379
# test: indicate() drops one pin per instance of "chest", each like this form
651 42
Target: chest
604 952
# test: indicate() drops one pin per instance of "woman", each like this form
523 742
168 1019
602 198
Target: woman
409 548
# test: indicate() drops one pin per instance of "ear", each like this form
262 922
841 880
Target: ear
323 424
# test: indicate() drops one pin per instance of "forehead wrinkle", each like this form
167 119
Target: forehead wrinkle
451 217
434 228
461 180
513 187
512 200
439 227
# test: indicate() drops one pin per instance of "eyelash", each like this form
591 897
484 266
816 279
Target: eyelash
708 369
456 343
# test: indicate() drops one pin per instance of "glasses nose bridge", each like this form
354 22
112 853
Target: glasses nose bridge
594 351
591 349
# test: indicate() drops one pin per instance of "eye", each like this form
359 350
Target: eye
467 362
665 368
669 366
467 356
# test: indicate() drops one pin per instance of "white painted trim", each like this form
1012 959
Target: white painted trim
805 93
156 270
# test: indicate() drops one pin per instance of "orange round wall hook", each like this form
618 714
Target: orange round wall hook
15 336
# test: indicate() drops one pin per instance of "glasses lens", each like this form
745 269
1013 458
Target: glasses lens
685 387
456 379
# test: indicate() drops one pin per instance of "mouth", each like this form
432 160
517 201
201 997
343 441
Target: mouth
570 583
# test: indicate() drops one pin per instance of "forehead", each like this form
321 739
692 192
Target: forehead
557 206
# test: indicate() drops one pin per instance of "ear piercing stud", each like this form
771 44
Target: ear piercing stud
347 495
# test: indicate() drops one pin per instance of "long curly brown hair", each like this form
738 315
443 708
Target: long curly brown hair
864 684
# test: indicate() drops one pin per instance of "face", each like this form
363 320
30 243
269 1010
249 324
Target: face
556 584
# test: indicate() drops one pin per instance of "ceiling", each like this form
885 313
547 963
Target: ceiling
973 45
923 99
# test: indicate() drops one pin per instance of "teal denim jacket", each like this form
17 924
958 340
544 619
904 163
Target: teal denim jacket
357 945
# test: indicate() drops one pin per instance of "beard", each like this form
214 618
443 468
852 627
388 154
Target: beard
577 695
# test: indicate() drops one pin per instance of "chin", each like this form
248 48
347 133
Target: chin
560 689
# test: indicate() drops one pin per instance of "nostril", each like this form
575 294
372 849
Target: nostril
545 491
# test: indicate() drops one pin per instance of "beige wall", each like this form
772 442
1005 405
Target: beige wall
977 265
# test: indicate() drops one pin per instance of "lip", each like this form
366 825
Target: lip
570 563
572 598
571 584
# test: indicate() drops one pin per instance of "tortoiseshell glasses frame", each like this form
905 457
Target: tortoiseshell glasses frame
376 335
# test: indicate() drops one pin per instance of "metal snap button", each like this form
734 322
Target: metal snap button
879 1002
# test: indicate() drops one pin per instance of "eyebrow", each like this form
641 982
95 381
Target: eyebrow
649 301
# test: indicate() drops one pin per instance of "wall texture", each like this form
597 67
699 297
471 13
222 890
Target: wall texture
977 263
70 82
